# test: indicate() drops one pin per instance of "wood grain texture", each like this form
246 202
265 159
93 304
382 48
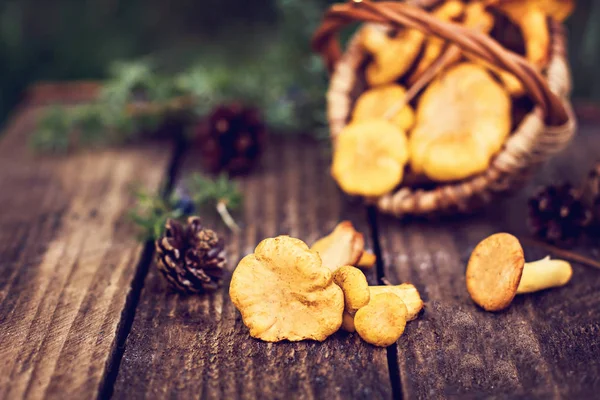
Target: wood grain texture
48 93
67 256
546 345
194 346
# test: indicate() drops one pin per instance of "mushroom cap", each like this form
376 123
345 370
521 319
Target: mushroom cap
343 246
382 321
284 293
557 9
494 271
448 11
367 260
531 18
463 119
407 292
369 157
387 66
375 103
354 284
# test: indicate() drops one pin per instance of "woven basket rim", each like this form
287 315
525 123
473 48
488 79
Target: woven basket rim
529 144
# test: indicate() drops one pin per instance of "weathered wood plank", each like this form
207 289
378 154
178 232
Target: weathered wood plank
189 347
68 257
71 92
546 345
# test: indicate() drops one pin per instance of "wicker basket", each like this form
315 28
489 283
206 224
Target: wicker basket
543 132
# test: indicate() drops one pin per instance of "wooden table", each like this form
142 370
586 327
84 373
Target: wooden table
84 313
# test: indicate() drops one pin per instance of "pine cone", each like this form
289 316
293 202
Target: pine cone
190 256
231 138
557 214
591 192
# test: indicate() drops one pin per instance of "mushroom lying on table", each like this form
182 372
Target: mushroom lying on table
497 272
406 292
382 321
343 246
284 292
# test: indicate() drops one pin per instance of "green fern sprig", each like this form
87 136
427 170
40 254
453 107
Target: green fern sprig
151 212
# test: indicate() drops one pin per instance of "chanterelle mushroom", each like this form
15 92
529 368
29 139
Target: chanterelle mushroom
369 157
531 16
408 294
463 119
382 321
343 246
376 102
355 287
284 293
392 57
367 260
497 272
434 45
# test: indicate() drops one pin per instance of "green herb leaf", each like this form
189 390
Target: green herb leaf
151 213
205 191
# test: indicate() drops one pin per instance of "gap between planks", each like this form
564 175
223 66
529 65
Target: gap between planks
392 351
113 364
128 315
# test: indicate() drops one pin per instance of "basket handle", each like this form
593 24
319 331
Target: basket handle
481 45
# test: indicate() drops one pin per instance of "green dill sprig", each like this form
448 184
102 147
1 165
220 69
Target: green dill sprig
220 193
112 118
152 211
137 81
278 74
51 135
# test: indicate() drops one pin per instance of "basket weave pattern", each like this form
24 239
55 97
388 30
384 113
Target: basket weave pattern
543 132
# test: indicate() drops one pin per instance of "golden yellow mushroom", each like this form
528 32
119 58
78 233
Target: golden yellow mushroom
355 287
343 246
382 321
531 18
497 271
463 119
367 260
284 293
369 158
407 292
377 102
478 17
434 45
392 56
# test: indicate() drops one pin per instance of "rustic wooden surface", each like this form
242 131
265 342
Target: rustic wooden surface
68 258
546 345
190 346
75 287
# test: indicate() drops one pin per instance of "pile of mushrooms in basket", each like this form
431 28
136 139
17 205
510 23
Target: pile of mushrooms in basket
437 109
435 106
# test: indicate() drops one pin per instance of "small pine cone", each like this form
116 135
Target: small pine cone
231 138
557 214
591 192
190 256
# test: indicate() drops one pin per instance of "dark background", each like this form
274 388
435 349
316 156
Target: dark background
77 39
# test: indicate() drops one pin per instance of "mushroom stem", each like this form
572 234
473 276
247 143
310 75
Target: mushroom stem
227 218
544 274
